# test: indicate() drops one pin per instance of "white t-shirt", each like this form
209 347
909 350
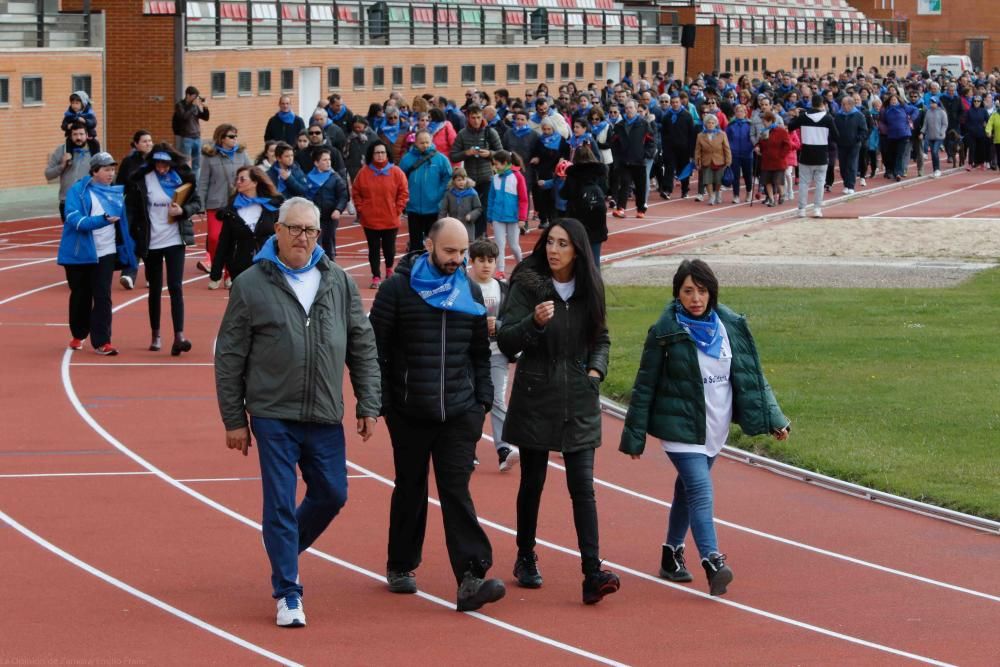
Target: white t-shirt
718 402
162 232
491 298
104 238
305 287
565 290
250 215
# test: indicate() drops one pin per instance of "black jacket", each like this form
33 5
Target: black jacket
237 244
678 138
818 133
280 131
334 195
632 144
435 363
852 129
578 177
185 119
548 158
137 207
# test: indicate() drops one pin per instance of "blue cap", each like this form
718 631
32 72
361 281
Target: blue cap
163 156
935 99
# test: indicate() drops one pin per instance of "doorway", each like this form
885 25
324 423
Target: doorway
976 53
309 91
613 71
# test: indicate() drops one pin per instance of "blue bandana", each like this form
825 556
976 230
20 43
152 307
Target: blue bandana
521 131
674 115
632 120
461 194
317 179
384 171
339 114
710 132
552 141
111 197
168 182
599 127
444 292
536 119
242 201
433 127
707 334
269 253
228 152
577 141
286 117
391 132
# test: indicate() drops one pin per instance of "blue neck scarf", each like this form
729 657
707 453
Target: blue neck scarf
228 152
317 179
444 292
710 132
80 150
450 108
168 182
738 121
552 141
521 131
328 122
536 118
384 171
391 132
434 126
461 194
111 197
577 141
242 201
494 122
286 117
674 115
340 114
631 121
707 333
269 253
597 128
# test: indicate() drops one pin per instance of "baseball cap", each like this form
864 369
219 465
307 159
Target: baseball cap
102 159
162 156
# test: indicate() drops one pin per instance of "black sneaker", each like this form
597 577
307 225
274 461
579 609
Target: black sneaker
526 571
403 583
719 574
508 458
672 564
474 592
598 584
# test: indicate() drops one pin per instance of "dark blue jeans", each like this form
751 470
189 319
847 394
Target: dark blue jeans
742 166
848 157
319 451
692 505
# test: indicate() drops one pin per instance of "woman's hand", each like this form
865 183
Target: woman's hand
175 209
544 312
781 434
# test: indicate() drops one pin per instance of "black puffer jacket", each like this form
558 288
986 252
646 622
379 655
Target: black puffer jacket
435 363
137 208
578 177
554 404
238 243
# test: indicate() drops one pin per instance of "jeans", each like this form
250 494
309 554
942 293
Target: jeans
649 172
504 233
90 299
386 239
499 369
595 249
935 147
742 166
814 174
848 156
318 450
191 148
693 499
174 259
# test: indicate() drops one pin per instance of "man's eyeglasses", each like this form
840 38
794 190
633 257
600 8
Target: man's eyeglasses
297 231
315 133
231 136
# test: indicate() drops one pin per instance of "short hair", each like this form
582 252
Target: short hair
139 134
502 157
474 109
294 203
78 125
320 110
818 101
281 148
317 152
459 172
359 119
419 132
769 117
702 275
486 248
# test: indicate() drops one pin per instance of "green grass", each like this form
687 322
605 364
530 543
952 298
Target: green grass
895 389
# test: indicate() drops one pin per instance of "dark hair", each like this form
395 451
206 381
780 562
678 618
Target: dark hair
501 157
436 114
483 248
818 101
317 152
176 159
584 155
221 131
265 187
702 276
359 119
473 108
589 285
139 134
263 154
370 151
281 148
77 125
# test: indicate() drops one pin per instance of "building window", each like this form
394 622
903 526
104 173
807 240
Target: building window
359 77
564 70
4 91
287 80
737 62
488 73
80 82
530 72
31 90
550 71
628 68
440 75
763 64
642 68
397 75
468 74
795 63
244 83
656 66
513 72
418 75
598 70
861 61
729 65
378 77
670 67
833 62
755 63
332 77
746 64
264 81
218 84
579 70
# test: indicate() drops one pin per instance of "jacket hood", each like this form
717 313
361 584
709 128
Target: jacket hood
585 169
816 116
84 97
404 265
533 281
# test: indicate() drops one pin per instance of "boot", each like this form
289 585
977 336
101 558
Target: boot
718 573
526 571
474 592
672 566
181 344
155 343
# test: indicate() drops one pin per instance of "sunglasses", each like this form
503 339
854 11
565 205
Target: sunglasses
316 133
231 136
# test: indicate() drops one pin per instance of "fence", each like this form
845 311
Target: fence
737 30
34 24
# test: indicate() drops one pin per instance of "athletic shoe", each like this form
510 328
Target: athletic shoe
290 612
781 199
228 283
818 213
718 573
388 273
76 344
214 284
768 202
736 199
664 195
598 584
126 282
848 191
203 267
526 571
618 213
474 592
403 583
672 564
718 198
375 282
699 197
155 343
862 182
640 214
107 350
802 213
475 460
937 173
898 178
509 456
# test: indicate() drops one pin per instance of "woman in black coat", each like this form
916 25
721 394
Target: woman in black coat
554 318
247 222
549 149
585 192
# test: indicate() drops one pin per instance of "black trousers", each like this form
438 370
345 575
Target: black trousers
628 174
173 257
90 299
580 481
328 236
419 225
384 239
451 447
545 206
673 164
483 190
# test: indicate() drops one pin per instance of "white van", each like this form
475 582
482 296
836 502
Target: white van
955 64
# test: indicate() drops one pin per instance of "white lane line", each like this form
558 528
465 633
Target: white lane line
47 260
177 484
16 246
32 291
990 205
112 364
137 473
145 597
922 219
944 194
28 231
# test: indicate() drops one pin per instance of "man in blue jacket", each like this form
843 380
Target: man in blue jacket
852 132
427 174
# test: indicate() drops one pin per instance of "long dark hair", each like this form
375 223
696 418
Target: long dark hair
589 286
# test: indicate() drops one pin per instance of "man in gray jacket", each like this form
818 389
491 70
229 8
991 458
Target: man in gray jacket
293 321
69 166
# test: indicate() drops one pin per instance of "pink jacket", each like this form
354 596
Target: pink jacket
793 155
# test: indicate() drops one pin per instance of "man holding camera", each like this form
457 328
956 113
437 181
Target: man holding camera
187 114
474 146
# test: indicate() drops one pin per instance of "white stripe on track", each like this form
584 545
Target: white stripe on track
139 473
145 597
28 231
924 201
31 291
990 205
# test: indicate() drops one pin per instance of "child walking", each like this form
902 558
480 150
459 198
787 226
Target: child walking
506 208
461 202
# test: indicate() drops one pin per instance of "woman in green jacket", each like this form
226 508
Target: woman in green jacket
699 372
554 318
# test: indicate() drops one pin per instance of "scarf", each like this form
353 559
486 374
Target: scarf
536 118
599 127
384 171
710 132
111 197
391 132
462 194
242 201
269 253
228 152
434 126
631 121
337 116
674 115
577 141
552 141
168 182
707 333
316 179
286 117
80 150
521 132
444 292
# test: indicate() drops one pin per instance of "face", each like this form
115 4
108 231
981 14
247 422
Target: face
710 122
675 103
245 185
547 130
847 103
447 251
740 112
578 129
614 113
105 175
458 182
475 120
423 121
500 167
323 163
380 155
269 153
161 167
483 268
145 144
541 107
336 105
393 118
295 251
315 135
423 142
76 105
359 128
287 158
693 297
559 250
284 104
764 104
79 137
630 110
302 141
520 120
230 138
319 119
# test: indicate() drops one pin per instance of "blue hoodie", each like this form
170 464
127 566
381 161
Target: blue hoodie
897 121
77 244
738 132
428 179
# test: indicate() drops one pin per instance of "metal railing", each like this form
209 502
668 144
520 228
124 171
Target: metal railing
218 23
784 30
35 25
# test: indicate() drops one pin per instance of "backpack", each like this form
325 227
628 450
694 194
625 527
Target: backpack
592 198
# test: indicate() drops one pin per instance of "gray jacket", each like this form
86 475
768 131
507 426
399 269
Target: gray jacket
275 361
459 207
935 124
479 169
757 125
218 176
78 167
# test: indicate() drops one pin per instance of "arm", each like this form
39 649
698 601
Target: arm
232 349
340 193
522 197
358 191
402 192
697 153
633 440
78 212
383 322
224 246
204 178
55 168
477 209
362 356
727 152
518 331
457 153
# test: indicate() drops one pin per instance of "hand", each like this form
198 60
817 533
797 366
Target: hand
541 183
66 159
285 173
239 439
472 152
594 374
335 215
781 434
491 325
544 312
366 427
533 160
484 152
113 219
176 210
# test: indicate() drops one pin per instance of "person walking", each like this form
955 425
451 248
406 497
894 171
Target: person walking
326 189
935 130
976 119
215 185
68 166
773 145
186 124
632 144
428 173
699 371
897 122
284 125
678 140
461 201
586 191
554 324
380 194
474 148
247 223
142 144
294 319
817 131
433 347
95 241
852 133
286 175
507 210
738 133
712 155
549 150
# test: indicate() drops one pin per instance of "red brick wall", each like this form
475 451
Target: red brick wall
780 57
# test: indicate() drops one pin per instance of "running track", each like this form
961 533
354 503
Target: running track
130 534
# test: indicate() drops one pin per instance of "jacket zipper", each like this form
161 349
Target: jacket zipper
566 346
444 314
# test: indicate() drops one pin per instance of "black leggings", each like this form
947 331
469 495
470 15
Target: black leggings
90 299
174 259
580 481
386 238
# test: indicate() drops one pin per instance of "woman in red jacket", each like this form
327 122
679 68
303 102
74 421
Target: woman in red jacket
380 194
773 147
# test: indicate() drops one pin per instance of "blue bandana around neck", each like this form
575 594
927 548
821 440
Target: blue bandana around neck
242 201
228 152
80 150
552 141
317 179
632 120
168 182
434 126
674 115
384 171
339 114
521 131
450 108
599 127
444 292
111 197
536 118
710 132
707 333
286 117
269 253
577 141
462 194
391 132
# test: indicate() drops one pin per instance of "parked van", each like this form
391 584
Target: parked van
955 64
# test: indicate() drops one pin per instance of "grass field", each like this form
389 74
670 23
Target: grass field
895 389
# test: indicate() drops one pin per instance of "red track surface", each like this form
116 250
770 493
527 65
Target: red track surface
116 481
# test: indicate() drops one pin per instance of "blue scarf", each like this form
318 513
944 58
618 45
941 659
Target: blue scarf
710 132
577 141
707 333
434 126
111 197
286 117
269 253
450 108
461 194
80 150
520 132
168 182
674 115
317 179
338 115
444 292
599 127
631 121
384 171
391 132
535 118
242 201
228 152
552 141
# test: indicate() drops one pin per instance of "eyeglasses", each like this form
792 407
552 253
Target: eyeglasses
297 231
316 133
243 178
231 136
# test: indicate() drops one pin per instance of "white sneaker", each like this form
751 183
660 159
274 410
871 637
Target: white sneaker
736 200
290 612
228 283
937 173
818 213
802 213
863 182
126 282
699 197
848 191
